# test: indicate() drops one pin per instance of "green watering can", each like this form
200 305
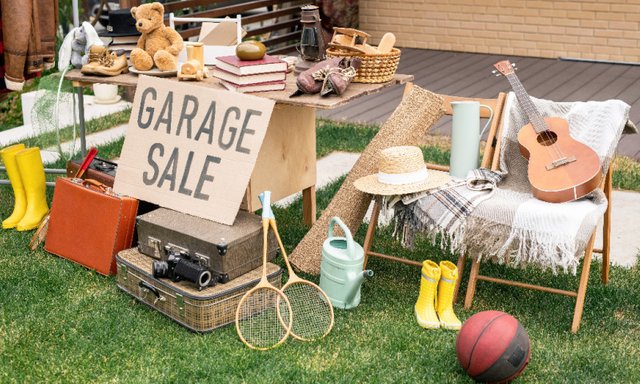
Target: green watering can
341 271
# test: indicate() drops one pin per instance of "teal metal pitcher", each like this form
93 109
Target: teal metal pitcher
341 273
465 136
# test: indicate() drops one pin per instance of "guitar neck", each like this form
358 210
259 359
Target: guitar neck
527 105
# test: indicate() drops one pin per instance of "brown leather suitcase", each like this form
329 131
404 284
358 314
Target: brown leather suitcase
228 251
90 224
100 169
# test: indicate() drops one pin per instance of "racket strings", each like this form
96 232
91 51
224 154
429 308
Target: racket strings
264 318
312 311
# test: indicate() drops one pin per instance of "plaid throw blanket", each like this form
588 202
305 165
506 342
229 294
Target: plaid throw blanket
506 222
448 205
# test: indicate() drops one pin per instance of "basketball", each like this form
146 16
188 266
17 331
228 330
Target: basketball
493 347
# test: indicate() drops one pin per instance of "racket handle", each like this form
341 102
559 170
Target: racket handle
265 200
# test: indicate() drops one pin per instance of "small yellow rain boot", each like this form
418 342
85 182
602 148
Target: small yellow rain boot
444 307
425 306
32 174
20 205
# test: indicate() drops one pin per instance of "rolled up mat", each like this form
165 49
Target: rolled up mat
417 113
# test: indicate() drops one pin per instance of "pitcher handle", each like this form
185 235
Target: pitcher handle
347 233
488 121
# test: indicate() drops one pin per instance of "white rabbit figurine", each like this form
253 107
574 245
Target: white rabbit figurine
75 46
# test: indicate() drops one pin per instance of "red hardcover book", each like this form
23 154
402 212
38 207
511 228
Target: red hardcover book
261 87
239 67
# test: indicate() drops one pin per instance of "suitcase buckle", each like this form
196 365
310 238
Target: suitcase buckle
155 245
180 303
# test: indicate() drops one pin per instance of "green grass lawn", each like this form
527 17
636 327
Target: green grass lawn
60 322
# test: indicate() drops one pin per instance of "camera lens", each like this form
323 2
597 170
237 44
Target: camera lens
205 279
160 269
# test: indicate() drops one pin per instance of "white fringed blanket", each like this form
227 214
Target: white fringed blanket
511 225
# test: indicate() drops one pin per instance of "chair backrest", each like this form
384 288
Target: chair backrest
275 22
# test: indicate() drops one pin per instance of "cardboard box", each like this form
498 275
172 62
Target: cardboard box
220 39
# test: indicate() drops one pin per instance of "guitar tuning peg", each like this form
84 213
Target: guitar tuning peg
513 65
494 71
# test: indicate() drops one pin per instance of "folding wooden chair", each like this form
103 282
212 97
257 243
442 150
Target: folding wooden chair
490 159
580 293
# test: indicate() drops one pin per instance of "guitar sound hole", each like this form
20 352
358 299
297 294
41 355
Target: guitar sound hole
547 138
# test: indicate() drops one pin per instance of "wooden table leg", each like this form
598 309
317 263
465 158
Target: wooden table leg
309 205
81 122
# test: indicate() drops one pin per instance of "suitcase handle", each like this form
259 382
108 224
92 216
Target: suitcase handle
94 183
149 287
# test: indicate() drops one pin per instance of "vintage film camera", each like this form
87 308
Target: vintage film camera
180 266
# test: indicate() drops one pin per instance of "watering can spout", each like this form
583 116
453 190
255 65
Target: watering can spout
357 282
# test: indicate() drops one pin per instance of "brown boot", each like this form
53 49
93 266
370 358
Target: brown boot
112 64
96 54
306 80
338 79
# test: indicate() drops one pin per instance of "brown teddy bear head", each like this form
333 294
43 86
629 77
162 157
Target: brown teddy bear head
148 17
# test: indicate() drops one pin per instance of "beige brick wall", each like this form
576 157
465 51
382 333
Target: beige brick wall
602 30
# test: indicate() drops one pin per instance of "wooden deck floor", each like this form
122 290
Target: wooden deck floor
469 74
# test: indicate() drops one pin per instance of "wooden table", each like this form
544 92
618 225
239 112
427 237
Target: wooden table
287 160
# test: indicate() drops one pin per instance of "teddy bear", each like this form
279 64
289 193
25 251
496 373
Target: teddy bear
159 44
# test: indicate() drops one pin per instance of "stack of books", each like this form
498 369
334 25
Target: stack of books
125 43
266 74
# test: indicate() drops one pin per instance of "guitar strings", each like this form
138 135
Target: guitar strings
551 148
546 133
517 86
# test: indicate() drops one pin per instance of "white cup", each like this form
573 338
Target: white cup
105 92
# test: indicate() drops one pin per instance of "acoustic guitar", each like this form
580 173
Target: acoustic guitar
560 168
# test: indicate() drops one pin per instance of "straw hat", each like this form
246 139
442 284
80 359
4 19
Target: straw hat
401 170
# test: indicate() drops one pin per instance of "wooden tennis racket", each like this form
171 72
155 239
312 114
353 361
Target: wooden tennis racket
312 310
264 316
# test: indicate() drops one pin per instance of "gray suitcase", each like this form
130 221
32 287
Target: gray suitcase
227 251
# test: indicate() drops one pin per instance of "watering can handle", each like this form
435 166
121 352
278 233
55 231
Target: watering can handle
265 200
347 233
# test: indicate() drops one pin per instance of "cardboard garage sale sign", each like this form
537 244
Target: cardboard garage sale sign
191 148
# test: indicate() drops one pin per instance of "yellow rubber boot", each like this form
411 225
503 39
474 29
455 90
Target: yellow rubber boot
20 205
32 174
425 306
444 307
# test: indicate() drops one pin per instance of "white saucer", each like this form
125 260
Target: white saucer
112 101
154 72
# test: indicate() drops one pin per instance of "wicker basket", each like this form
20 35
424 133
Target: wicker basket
199 311
375 68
